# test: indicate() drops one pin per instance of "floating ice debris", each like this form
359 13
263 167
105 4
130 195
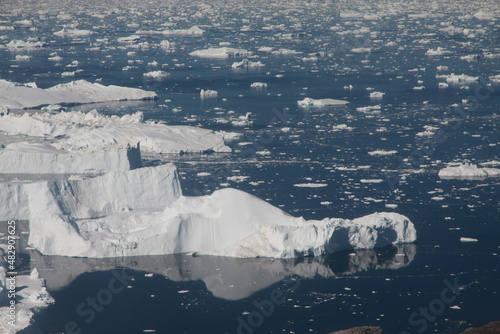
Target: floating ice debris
158 75
258 85
245 63
371 180
463 79
310 185
377 95
204 94
73 33
223 52
342 127
439 51
19 45
464 239
382 152
308 102
466 170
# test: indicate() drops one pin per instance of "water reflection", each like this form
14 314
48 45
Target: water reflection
225 277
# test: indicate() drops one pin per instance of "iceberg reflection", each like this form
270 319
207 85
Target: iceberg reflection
226 277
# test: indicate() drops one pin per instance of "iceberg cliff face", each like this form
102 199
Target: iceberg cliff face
142 212
41 158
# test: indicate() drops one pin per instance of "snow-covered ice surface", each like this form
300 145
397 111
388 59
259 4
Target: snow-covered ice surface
375 154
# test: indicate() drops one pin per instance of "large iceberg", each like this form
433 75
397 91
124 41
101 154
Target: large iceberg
94 132
142 212
13 95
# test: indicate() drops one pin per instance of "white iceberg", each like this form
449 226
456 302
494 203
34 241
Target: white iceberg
204 94
193 31
73 32
80 91
245 64
223 52
460 79
377 95
41 158
308 102
468 170
17 44
157 75
258 85
77 131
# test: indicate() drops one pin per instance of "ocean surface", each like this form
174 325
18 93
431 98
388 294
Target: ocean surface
317 49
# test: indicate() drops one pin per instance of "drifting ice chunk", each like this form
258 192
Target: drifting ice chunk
436 52
308 102
158 75
44 158
204 94
223 52
460 79
382 152
245 63
377 95
258 85
20 45
73 33
467 170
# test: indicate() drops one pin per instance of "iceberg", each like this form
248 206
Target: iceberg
13 95
223 52
92 132
205 94
158 75
308 102
193 31
17 44
245 64
42 158
142 212
467 170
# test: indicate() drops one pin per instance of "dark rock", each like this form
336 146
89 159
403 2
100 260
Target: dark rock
491 328
361 330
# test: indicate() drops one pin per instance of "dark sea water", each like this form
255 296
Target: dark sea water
437 285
